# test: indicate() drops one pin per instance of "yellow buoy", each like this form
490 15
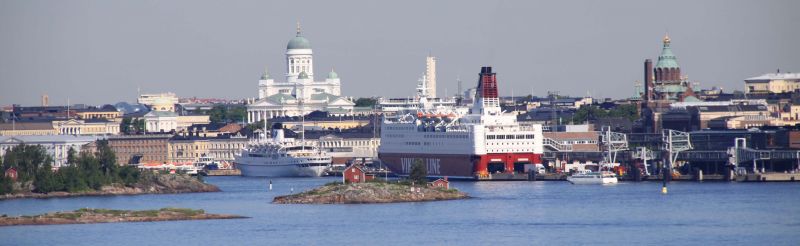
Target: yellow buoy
664 190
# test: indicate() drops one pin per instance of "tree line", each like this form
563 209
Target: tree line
593 112
84 171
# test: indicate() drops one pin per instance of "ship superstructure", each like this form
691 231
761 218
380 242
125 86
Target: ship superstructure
477 142
283 157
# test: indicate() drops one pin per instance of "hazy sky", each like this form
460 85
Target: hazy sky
98 52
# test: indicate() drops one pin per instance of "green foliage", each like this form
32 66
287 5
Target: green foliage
226 114
138 125
419 172
46 181
592 112
131 126
27 159
6 185
73 178
366 102
255 125
83 171
125 125
129 175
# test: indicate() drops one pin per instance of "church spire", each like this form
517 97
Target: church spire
298 28
666 39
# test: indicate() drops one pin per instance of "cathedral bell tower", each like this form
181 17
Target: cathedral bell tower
299 57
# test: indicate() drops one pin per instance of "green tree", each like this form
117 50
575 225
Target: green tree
106 157
27 159
226 114
237 113
72 178
217 114
46 181
419 172
91 171
6 185
84 170
71 156
138 125
129 175
125 125
255 125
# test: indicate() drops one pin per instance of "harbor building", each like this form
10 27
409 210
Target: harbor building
61 120
187 147
773 83
159 101
430 75
135 149
57 146
300 93
163 116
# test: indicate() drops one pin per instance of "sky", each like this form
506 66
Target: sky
98 52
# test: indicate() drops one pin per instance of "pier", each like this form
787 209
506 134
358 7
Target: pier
225 172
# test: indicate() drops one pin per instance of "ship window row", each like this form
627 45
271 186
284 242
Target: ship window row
513 136
463 136
509 143
413 143
508 150
400 128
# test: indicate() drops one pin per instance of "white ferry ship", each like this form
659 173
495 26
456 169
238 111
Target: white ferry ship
478 142
282 157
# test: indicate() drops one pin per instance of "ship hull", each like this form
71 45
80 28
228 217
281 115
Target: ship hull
455 166
255 167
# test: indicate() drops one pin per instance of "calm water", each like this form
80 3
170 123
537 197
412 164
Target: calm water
514 213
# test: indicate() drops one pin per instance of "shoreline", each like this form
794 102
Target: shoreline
96 216
159 184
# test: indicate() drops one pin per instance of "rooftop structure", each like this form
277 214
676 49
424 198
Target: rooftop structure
773 83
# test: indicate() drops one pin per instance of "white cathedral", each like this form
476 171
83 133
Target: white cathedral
300 94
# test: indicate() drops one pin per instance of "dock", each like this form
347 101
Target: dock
225 172
769 177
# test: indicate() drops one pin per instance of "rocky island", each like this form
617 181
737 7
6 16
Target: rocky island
370 192
90 216
148 183
28 173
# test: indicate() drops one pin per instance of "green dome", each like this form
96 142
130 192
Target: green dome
667 59
298 42
302 75
333 75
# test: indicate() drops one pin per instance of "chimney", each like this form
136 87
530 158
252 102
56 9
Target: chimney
648 79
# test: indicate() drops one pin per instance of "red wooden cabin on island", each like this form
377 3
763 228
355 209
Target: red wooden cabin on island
443 183
11 173
356 174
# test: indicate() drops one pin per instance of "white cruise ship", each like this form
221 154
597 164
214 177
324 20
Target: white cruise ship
479 142
282 157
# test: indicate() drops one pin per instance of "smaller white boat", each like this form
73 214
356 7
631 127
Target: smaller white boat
593 178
